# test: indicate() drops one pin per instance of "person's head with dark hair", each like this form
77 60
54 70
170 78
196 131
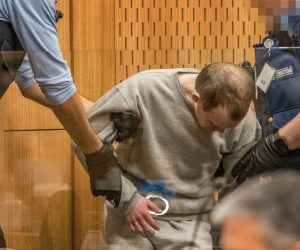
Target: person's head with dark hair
262 215
223 92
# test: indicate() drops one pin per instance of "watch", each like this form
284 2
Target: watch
280 144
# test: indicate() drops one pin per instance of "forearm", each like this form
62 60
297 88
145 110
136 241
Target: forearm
34 93
291 133
87 104
69 113
72 116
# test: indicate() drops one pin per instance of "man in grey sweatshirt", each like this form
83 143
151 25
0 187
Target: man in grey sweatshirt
188 122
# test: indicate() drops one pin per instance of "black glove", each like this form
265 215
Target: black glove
105 174
125 123
267 154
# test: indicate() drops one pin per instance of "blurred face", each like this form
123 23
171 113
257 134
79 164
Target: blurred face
216 119
242 234
272 7
246 233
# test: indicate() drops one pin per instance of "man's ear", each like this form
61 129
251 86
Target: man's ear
195 96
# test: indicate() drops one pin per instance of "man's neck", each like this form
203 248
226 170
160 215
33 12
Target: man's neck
187 83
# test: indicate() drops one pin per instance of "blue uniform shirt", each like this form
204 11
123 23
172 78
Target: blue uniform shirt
34 24
282 100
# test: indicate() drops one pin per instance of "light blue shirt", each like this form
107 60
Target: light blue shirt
34 24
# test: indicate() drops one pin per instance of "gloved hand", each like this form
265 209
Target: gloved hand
262 157
105 174
125 123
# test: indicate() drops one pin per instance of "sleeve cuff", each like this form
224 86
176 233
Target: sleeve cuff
60 97
129 196
25 83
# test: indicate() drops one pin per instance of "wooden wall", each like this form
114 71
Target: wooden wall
45 202
182 33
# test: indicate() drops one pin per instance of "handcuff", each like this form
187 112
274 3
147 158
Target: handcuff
151 197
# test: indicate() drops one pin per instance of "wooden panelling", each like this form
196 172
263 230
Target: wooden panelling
64 27
94 72
93 25
218 30
35 204
93 47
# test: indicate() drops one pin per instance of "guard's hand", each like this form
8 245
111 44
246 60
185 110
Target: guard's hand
125 123
263 156
105 174
139 219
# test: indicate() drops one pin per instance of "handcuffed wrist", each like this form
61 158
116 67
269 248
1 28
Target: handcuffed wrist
129 196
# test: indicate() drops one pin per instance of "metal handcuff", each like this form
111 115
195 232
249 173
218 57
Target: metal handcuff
151 196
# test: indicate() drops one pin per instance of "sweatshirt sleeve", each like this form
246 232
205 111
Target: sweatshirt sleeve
99 113
98 116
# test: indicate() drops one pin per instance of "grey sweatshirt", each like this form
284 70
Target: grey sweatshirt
169 146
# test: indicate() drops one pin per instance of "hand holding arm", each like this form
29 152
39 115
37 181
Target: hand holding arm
291 133
105 174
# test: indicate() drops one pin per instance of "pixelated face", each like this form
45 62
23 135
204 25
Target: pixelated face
273 7
243 234
215 119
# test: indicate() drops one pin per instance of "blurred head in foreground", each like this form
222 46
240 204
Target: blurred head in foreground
262 215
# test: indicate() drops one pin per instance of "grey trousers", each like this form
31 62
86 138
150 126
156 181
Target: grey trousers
172 234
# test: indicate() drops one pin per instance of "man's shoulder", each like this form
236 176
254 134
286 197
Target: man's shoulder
250 116
250 122
166 71
156 76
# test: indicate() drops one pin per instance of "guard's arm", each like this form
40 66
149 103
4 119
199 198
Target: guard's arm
105 174
34 93
291 133
269 153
